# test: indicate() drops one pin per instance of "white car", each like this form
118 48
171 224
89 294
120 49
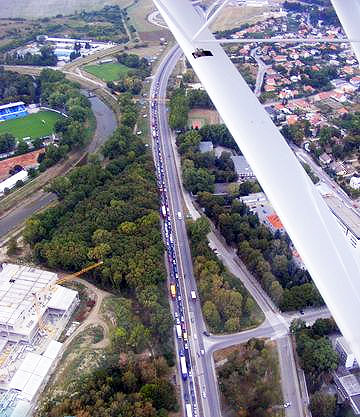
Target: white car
286 405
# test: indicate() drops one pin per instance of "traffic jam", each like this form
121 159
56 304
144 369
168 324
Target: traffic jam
175 291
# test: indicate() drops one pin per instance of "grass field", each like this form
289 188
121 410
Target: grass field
138 13
234 16
44 8
31 125
107 72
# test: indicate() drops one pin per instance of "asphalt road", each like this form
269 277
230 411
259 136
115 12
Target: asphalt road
304 156
275 325
105 126
201 371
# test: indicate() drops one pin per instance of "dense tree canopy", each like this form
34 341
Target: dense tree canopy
250 380
17 87
315 351
227 306
266 255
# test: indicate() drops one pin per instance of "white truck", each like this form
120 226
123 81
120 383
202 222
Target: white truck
188 410
179 215
183 366
178 331
193 295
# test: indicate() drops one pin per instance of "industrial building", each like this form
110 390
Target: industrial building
349 389
347 358
10 182
34 311
242 168
347 218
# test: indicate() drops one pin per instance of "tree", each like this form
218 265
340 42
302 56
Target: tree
7 142
297 325
322 405
179 109
198 229
211 314
12 246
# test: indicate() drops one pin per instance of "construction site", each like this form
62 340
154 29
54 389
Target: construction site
34 311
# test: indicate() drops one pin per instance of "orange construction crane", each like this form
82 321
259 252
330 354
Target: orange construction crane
76 274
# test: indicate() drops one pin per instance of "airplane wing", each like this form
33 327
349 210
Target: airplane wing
307 219
348 12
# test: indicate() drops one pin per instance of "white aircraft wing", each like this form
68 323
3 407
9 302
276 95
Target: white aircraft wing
310 224
348 12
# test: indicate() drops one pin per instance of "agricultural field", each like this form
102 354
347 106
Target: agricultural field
197 118
34 125
234 16
107 72
47 8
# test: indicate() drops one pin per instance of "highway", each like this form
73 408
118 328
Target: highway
304 156
275 326
204 399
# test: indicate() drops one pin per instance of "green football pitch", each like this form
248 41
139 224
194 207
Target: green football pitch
34 125
107 72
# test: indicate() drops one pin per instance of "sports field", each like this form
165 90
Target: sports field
107 72
34 125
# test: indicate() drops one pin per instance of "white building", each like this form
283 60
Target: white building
347 358
242 168
254 199
28 296
355 183
10 182
347 218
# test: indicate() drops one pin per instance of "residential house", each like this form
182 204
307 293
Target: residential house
325 158
355 183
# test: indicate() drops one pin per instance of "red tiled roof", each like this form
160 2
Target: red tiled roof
275 221
25 160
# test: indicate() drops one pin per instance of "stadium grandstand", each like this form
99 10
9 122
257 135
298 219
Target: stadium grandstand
12 111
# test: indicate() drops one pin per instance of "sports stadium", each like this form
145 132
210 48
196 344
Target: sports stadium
27 121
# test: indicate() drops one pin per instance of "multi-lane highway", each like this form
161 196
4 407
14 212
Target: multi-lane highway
200 389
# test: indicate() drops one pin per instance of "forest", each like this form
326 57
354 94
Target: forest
226 305
250 380
75 130
126 389
17 87
318 360
46 58
267 256
201 170
110 212
139 69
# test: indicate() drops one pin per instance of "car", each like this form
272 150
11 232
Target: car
176 314
286 405
182 319
186 346
190 374
177 321
203 394
202 352
301 312
206 333
179 297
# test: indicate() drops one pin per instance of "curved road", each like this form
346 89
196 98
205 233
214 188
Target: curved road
105 126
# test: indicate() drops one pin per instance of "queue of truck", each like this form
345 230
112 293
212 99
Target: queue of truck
175 291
